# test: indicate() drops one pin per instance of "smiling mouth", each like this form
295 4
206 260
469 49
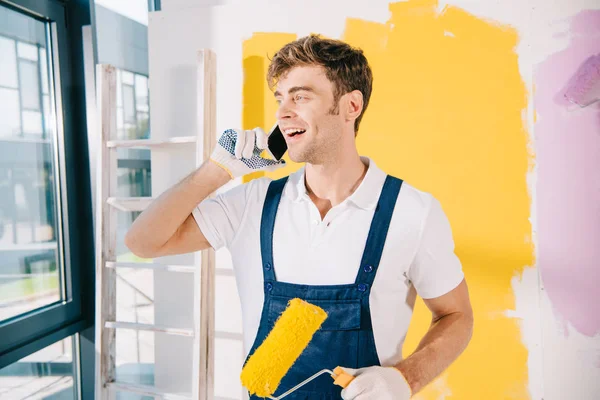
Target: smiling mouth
294 131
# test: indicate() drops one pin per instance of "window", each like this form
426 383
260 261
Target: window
135 287
135 350
48 373
46 231
30 262
132 105
133 173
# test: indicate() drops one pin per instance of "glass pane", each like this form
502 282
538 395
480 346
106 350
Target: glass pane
10 123
127 78
30 85
8 63
130 131
120 124
32 122
119 94
141 92
135 294
48 118
44 70
128 103
136 355
30 260
143 125
27 51
46 374
141 107
133 173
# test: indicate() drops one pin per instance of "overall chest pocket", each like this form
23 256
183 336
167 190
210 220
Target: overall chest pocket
337 342
342 315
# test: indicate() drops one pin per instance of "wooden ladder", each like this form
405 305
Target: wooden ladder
108 206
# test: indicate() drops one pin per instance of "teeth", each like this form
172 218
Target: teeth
293 130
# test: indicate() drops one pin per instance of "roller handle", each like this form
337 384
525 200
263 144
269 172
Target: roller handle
341 378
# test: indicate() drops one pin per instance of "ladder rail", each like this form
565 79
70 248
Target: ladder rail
106 182
107 207
204 299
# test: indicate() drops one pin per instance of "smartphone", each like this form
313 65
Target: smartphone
276 143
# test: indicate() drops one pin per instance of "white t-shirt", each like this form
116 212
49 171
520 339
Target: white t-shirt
418 254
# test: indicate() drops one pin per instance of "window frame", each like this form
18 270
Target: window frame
154 5
27 333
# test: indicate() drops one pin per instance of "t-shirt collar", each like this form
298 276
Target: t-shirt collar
365 196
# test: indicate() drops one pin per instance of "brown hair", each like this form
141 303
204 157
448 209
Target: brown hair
345 66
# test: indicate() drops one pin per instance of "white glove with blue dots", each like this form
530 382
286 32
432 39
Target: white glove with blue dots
238 152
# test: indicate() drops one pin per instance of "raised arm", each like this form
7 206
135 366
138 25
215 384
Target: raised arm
167 226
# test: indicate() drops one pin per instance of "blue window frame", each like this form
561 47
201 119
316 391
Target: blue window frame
154 5
28 332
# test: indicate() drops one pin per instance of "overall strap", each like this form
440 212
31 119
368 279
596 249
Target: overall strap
378 232
267 225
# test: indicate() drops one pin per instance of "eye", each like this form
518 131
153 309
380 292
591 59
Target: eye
300 97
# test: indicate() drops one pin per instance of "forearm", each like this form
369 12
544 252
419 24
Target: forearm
445 340
160 221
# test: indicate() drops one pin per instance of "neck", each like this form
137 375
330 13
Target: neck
331 182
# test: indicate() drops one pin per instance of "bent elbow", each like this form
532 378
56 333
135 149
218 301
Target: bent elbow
134 245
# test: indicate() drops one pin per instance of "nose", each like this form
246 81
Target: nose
284 111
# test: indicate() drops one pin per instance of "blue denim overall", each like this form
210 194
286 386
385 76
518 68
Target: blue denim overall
346 337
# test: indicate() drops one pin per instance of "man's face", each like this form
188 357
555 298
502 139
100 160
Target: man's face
305 116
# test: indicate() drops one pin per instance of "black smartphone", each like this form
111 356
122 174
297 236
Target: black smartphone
276 143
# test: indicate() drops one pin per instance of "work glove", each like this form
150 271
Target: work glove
238 152
376 383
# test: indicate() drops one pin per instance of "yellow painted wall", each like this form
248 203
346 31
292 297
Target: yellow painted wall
446 115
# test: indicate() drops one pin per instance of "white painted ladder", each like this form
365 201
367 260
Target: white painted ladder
107 208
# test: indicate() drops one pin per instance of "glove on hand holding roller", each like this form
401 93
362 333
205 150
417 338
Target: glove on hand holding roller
290 335
381 383
238 152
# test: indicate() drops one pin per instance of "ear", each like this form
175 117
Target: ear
353 105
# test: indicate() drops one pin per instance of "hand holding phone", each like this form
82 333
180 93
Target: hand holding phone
239 152
276 143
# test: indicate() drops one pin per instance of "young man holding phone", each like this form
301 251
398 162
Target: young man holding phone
339 233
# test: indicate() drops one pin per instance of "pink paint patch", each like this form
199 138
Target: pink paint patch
568 182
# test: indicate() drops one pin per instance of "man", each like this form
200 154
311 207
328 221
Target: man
338 233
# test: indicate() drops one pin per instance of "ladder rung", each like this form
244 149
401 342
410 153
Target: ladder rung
154 266
146 390
149 327
151 142
130 203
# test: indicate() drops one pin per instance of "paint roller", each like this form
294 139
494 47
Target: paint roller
290 335
584 88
